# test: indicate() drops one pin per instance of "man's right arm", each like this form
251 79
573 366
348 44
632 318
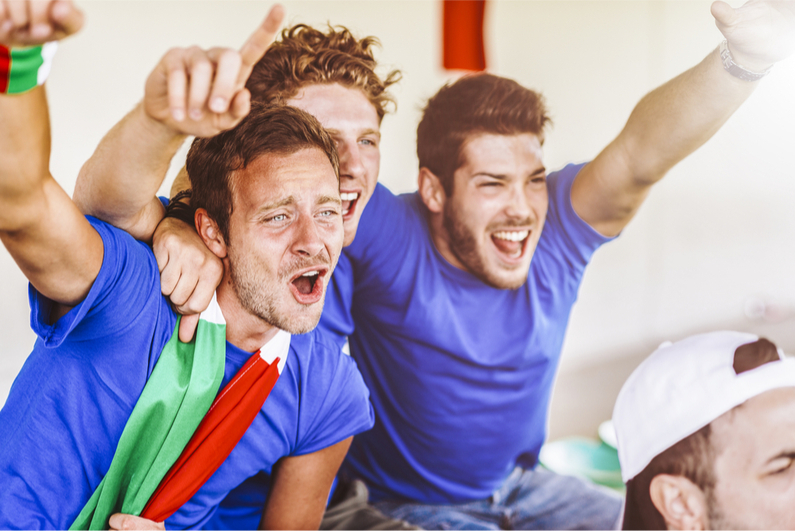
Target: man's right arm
53 244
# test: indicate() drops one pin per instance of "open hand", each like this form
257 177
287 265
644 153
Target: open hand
32 22
760 32
202 92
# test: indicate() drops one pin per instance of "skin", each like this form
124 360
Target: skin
753 467
353 122
755 464
499 190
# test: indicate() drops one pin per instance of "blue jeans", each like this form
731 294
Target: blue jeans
529 499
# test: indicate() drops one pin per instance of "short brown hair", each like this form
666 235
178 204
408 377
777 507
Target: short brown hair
692 457
267 129
480 103
307 56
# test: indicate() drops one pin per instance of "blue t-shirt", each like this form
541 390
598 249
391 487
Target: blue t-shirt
336 319
460 373
69 404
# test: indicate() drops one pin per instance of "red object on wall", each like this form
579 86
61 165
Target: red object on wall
463 35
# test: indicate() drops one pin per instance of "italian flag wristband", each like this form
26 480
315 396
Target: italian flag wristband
23 69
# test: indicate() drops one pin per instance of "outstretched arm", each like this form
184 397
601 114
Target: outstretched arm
675 119
53 244
190 92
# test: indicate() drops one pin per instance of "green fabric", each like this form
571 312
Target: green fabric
176 397
24 71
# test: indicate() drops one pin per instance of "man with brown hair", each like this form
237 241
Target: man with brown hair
268 206
706 435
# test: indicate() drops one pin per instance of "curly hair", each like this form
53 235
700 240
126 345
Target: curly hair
307 56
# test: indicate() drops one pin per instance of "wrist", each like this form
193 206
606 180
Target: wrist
157 128
743 66
24 68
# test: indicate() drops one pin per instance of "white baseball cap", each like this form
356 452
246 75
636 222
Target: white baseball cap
684 386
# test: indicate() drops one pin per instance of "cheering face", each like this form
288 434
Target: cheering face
494 217
353 122
754 467
285 236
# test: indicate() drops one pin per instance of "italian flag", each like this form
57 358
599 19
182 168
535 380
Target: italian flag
22 69
179 431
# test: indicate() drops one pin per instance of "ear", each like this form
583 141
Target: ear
681 503
431 191
210 234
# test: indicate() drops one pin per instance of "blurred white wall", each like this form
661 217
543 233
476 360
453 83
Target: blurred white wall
716 233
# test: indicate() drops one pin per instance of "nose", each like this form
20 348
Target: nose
306 241
518 205
351 166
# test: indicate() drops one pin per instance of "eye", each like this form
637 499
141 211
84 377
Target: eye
327 213
782 465
277 218
368 142
539 179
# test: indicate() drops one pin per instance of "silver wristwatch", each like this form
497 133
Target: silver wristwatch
736 70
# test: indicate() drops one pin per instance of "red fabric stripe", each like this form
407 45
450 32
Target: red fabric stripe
463 35
231 414
5 68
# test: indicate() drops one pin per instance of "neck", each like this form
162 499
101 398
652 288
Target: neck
441 240
243 329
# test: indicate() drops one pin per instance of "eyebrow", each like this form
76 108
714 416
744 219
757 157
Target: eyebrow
502 177
373 132
328 199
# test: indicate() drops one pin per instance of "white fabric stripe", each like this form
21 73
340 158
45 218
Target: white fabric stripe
47 53
278 346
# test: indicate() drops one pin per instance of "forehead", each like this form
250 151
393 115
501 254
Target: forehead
337 107
504 154
757 430
305 175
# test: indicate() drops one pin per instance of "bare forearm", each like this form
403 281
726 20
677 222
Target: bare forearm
119 182
25 155
675 119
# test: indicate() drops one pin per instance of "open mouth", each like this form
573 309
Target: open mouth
510 243
349 200
307 287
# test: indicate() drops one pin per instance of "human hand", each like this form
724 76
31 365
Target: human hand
121 521
32 22
760 32
202 92
189 272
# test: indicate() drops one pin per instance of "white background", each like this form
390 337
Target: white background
714 235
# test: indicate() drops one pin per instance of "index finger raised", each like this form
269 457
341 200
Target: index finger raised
256 45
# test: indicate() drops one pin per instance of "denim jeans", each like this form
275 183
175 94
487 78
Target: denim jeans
528 499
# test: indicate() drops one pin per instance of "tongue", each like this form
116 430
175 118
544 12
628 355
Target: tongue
303 284
507 247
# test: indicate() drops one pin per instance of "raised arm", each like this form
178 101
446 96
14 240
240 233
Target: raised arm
675 119
53 244
190 92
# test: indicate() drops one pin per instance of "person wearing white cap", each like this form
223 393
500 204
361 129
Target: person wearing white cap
706 436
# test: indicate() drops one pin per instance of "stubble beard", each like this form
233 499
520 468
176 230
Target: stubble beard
257 296
464 246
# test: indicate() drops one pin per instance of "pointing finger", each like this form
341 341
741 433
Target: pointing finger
256 45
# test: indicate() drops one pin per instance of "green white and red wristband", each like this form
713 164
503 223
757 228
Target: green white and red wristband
23 69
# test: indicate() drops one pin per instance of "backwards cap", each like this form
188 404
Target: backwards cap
684 386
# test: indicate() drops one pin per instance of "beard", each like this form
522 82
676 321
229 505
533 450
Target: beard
259 293
464 245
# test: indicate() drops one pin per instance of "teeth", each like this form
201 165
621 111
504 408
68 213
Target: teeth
512 235
345 212
349 196
310 274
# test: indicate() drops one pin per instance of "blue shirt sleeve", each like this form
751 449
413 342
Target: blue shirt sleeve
343 410
565 233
